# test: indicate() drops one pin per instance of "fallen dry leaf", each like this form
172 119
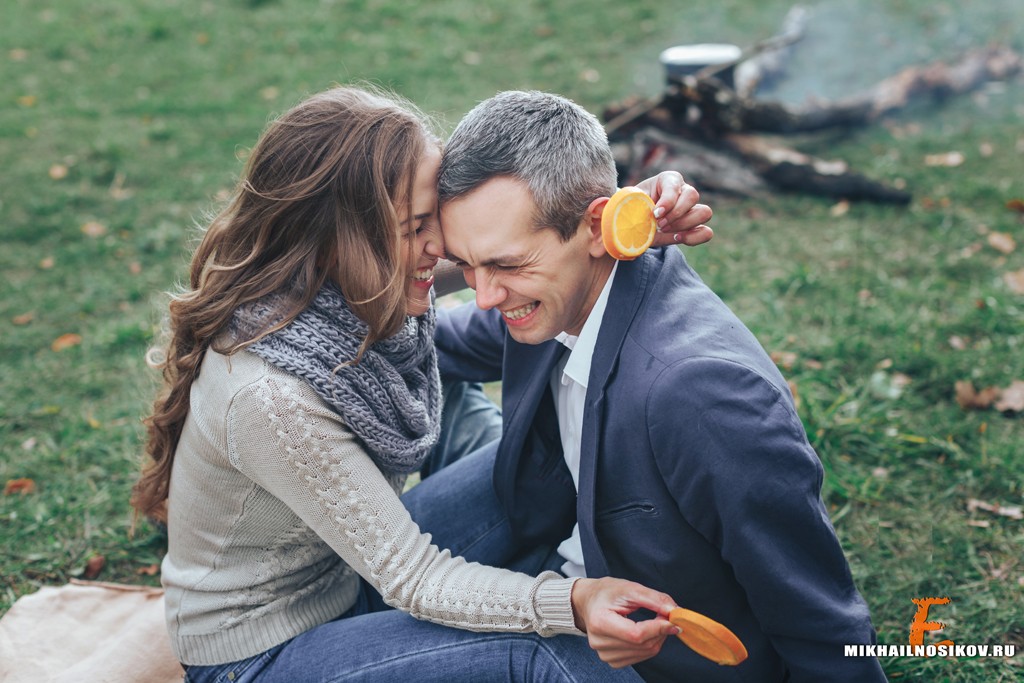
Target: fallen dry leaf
1015 205
29 443
135 267
1011 398
970 250
971 399
94 229
840 208
23 485
117 189
46 263
784 358
899 380
27 100
93 566
1011 511
24 318
58 171
1002 242
66 341
986 149
1015 281
948 159
957 343
149 570
18 54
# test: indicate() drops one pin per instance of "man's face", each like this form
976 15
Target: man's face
541 285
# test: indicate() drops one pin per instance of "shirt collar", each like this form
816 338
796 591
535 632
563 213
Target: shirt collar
577 368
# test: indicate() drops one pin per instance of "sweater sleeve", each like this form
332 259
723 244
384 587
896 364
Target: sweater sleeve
287 440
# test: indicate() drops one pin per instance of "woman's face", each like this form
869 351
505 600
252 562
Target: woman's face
429 245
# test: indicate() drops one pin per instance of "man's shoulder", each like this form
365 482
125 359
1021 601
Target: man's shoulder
681 335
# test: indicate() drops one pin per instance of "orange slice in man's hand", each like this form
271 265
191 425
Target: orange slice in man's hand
627 224
708 638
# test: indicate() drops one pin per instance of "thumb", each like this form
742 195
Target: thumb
655 601
652 629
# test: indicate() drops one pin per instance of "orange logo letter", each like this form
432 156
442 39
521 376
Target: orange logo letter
920 623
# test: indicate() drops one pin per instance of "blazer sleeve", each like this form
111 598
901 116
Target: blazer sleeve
751 485
470 343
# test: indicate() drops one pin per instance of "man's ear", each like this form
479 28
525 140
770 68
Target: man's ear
592 218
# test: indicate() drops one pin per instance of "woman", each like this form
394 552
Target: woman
301 389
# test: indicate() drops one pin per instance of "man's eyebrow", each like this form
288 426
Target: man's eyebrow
503 261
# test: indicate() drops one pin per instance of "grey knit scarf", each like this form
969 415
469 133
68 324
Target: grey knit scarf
391 399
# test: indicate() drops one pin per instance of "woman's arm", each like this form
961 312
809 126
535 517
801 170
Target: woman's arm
290 443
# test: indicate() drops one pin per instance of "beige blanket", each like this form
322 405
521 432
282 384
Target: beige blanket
88 632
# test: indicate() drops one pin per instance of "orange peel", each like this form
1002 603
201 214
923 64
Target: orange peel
627 224
708 638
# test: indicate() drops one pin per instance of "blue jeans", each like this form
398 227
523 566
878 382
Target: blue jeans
457 506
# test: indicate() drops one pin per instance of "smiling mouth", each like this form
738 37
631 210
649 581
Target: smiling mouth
520 315
424 274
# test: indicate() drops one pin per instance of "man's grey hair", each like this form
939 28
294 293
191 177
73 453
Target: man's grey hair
557 148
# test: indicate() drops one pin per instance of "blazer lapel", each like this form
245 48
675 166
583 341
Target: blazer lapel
623 303
531 431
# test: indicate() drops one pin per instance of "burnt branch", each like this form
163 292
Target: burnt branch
707 128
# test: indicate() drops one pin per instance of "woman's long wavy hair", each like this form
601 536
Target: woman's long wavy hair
317 200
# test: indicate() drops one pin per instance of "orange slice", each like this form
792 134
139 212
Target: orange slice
627 224
708 638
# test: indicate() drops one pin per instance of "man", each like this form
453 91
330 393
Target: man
646 433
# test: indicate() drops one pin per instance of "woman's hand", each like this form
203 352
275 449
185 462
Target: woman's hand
681 219
601 608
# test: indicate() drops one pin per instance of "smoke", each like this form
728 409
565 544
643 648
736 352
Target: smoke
849 45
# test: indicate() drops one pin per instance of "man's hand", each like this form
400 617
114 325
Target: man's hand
681 219
601 607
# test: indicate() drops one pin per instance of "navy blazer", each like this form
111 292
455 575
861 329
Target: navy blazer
696 477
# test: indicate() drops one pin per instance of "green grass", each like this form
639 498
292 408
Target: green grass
148 107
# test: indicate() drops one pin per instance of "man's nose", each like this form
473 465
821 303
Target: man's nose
489 293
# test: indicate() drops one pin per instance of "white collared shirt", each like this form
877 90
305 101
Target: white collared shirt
569 386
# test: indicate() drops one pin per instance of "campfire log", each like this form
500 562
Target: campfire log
710 129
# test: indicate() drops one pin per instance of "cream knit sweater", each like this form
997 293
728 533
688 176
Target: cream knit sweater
274 508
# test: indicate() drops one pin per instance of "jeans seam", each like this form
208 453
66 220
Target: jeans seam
480 537
537 644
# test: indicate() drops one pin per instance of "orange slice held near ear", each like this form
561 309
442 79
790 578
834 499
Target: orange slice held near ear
627 224
708 638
